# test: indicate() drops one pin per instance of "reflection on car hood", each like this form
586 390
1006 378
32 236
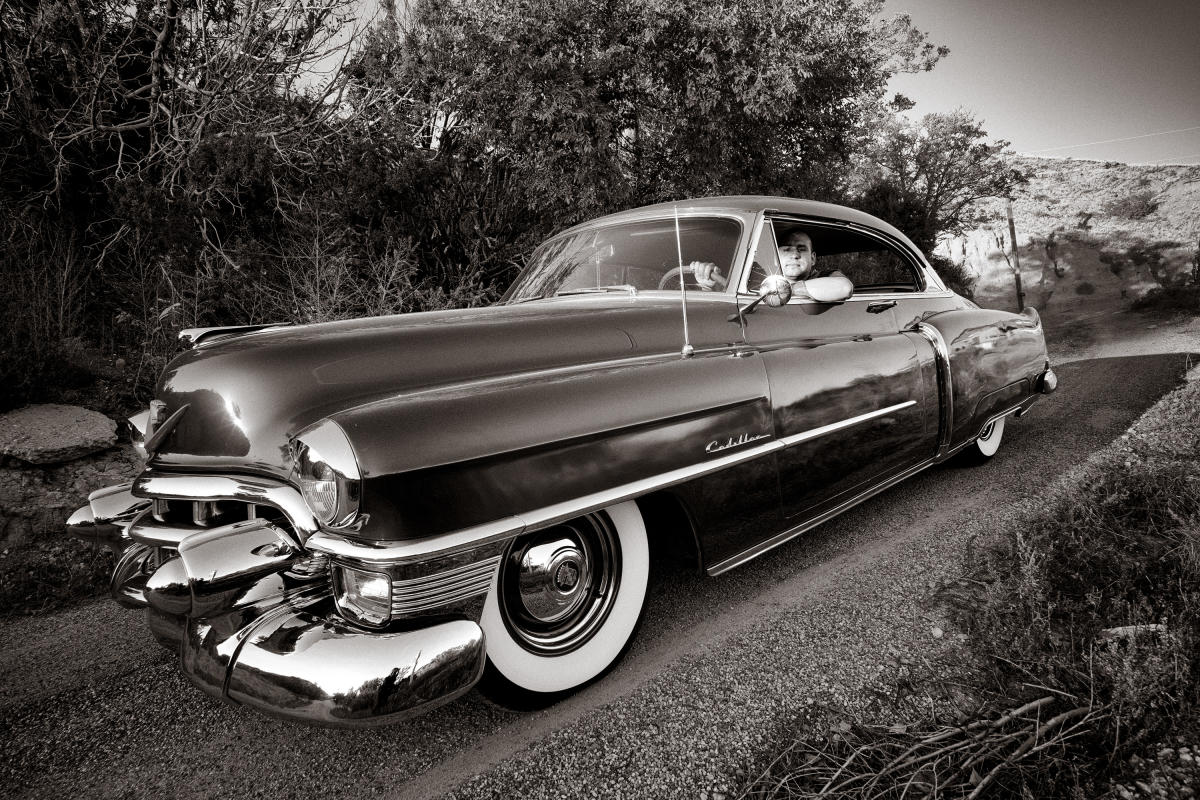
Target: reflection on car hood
249 394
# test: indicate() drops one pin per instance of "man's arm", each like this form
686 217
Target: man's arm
708 276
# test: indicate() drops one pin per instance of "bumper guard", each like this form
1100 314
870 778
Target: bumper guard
251 614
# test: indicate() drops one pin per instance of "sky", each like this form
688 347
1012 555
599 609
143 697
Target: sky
1062 78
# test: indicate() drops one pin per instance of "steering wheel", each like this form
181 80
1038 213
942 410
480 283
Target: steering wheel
674 272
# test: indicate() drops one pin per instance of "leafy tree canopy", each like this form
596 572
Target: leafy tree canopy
925 177
600 104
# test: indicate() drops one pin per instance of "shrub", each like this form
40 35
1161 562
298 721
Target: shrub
957 277
1184 299
49 574
1135 206
1095 597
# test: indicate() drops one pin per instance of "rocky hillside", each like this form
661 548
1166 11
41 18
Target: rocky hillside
1092 236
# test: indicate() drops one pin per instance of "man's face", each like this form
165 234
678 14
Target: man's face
796 256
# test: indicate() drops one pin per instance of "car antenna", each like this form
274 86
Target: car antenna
688 351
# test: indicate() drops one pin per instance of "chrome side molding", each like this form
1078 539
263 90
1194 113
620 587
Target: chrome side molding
417 550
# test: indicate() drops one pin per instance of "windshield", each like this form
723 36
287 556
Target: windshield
632 257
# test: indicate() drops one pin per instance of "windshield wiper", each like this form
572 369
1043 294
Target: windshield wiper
619 287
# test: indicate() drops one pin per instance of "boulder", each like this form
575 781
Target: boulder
52 434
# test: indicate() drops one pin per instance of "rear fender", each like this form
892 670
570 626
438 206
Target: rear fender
994 361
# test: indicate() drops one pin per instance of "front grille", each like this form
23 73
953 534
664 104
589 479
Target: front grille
168 521
208 513
414 595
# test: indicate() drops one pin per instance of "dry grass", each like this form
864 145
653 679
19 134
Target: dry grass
1082 648
897 761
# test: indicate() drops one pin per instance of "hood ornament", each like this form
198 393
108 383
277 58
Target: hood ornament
155 440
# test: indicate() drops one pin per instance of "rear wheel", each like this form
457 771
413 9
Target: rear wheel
987 444
564 606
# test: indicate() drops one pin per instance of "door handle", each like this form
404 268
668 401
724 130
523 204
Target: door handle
880 306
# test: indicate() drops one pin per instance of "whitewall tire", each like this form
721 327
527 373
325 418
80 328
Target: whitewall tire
986 444
564 606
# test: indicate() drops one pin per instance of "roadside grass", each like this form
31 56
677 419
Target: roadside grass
1081 649
1175 300
43 576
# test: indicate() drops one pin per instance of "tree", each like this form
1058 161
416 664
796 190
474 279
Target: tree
141 145
553 112
926 177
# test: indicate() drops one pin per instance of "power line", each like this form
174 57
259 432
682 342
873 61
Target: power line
1110 141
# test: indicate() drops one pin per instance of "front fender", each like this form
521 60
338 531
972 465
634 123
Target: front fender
446 460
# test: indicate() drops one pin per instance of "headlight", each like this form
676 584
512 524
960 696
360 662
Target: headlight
362 596
325 469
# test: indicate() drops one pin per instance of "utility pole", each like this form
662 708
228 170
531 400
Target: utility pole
1016 258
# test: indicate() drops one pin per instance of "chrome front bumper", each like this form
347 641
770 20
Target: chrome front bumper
251 614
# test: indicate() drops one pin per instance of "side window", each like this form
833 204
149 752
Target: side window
766 258
872 265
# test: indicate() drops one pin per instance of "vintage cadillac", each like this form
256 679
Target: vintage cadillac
352 522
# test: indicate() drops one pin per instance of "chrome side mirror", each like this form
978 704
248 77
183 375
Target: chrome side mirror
775 290
834 289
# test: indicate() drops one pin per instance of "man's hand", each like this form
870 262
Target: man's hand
708 275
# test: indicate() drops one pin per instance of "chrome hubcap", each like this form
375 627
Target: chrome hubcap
988 430
552 579
557 586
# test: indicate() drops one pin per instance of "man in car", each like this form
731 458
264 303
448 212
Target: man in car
797 260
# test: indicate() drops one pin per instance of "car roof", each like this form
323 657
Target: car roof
752 204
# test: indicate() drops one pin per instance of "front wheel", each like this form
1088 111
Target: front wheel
564 605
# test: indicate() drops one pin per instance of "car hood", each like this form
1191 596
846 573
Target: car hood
249 394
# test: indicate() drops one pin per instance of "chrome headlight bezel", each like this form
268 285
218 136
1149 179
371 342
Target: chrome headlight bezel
326 471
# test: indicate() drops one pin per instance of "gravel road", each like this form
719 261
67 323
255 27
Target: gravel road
89 704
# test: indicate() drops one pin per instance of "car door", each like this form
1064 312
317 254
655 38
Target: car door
849 391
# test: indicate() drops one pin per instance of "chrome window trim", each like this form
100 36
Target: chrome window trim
745 232
930 284
417 550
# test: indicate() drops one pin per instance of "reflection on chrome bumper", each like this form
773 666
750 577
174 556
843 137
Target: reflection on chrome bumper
107 516
251 613
255 624
301 661
316 668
